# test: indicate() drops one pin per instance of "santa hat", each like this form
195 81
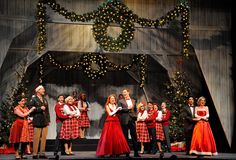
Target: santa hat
38 88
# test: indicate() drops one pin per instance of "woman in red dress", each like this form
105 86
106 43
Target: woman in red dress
141 127
203 142
84 107
159 128
19 132
70 128
112 141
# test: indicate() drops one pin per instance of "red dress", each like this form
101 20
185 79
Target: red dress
19 131
69 128
112 140
203 142
84 119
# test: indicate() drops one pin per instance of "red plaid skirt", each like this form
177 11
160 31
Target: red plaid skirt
142 132
69 129
84 120
31 132
159 132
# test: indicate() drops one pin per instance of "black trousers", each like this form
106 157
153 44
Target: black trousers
59 142
20 147
152 133
131 126
188 139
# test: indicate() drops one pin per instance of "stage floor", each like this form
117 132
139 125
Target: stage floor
91 155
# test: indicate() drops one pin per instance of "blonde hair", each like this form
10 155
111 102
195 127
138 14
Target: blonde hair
201 98
67 98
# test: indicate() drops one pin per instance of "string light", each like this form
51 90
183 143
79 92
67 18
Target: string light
113 11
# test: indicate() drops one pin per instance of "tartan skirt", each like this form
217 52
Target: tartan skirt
31 132
84 120
159 132
142 132
69 129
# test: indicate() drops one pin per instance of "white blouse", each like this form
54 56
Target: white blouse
142 117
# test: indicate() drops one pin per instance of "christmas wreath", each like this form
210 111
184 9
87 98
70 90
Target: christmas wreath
94 65
103 21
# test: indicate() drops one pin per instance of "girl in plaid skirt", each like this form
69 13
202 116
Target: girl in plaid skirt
141 127
83 106
159 129
70 128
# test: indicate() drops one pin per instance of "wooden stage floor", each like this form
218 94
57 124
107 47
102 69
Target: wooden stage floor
91 155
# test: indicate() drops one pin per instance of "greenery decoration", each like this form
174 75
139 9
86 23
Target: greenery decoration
96 65
113 11
7 106
177 91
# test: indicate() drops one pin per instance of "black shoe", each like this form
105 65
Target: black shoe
161 154
35 157
136 155
56 157
147 152
43 157
154 152
127 155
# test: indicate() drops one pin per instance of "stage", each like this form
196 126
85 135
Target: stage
92 155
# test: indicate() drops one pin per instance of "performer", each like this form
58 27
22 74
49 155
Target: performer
84 107
151 125
159 129
112 141
165 123
189 122
19 132
41 120
60 117
203 142
141 127
128 116
70 128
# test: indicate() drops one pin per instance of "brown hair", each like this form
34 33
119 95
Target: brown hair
108 99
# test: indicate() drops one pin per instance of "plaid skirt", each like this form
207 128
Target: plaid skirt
69 129
31 132
159 132
142 132
84 120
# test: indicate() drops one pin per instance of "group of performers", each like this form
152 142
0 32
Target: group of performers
145 123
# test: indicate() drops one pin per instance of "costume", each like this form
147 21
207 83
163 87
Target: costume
159 128
112 140
141 127
70 129
203 142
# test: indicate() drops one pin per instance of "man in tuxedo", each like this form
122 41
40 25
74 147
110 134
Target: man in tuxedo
189 122
128 116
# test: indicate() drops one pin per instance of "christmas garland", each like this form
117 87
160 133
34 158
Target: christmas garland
96 65
114 11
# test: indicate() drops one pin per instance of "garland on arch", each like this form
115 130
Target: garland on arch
113 11
96 65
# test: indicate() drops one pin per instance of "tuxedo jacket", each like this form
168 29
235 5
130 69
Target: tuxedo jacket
126 114
188 118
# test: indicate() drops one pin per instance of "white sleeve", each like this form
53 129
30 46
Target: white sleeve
67 110
159 116
79 105
77 112
139 116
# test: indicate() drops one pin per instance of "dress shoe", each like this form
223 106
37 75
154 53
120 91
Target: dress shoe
127 155
43 157
35 157
136 155
154 152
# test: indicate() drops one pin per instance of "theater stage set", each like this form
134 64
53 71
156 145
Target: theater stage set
162 50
